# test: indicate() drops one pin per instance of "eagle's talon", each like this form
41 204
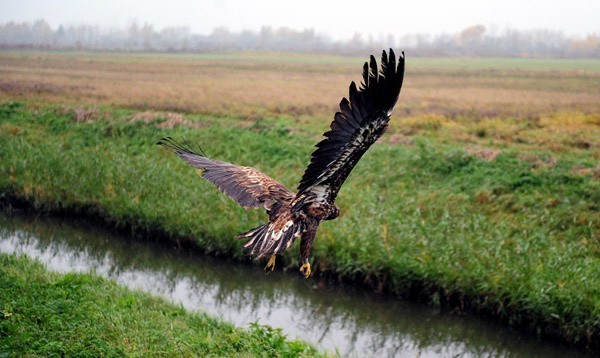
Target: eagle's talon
270 265
305 269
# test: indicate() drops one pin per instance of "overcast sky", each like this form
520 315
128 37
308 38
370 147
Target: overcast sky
340 19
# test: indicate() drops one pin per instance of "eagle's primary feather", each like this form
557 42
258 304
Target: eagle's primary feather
358 124
362 119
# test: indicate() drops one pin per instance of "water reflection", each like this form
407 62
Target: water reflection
352 322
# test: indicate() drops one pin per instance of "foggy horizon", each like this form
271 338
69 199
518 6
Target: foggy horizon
337 20
514 28
475 40
491 29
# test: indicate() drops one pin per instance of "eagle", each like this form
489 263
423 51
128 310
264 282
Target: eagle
361 120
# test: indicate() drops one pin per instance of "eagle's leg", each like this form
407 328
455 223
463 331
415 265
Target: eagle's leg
271 264
305 268
305 245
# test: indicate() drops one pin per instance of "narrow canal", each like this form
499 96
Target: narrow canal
349 321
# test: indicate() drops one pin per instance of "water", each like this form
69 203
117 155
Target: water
353 322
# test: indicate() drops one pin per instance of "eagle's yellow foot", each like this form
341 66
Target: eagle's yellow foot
305 269
270 265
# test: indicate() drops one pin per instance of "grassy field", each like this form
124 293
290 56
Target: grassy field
256 85
46 314
483 196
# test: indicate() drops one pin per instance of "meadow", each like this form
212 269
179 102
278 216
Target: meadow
483 195
47 314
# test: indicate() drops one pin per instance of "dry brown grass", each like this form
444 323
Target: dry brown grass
487 154
553 109
85 114
594 172
172 84
165 120
243 87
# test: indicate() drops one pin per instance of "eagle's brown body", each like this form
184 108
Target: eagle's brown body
359 123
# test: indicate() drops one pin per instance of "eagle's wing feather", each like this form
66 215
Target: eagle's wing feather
248 186
359 123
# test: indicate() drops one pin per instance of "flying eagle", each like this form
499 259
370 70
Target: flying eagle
362 119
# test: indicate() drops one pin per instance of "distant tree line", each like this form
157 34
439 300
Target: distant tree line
472 41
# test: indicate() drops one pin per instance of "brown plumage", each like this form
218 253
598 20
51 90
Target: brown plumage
359 123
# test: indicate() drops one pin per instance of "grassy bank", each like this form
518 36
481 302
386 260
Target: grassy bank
495 216
46 314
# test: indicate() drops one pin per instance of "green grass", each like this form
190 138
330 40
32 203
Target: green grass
515 238
525 64
47 314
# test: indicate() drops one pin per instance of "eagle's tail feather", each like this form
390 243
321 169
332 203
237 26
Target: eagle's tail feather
266 240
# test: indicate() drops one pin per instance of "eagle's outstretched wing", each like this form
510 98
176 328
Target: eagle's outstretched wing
248 186
358 124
